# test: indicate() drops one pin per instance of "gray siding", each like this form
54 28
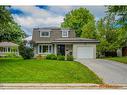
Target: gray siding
54 34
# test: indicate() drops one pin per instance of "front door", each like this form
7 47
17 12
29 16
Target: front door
60 49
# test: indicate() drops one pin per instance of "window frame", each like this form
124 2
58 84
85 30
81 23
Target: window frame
67 32
49 51
44 36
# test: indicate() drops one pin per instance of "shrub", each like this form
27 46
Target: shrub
70 58
60 57
26 52
10 55
51 57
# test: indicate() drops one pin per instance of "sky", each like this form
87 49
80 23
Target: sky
29 17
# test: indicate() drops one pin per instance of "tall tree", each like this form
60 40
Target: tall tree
77 19
120 12
9 29
89 30
110 36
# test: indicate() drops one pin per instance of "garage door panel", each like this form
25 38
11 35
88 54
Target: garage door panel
85 52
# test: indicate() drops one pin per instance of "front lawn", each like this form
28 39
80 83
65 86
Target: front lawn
45 71
119 59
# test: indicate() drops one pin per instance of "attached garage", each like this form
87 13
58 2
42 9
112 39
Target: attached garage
85 52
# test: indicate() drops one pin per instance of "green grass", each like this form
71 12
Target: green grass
119 59
45 71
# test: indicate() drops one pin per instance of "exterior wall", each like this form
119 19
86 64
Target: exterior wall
124 51
68 49
9 49
119 52
36 50
75 46
54 34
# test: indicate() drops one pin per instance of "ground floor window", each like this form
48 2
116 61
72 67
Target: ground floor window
45 48
8 49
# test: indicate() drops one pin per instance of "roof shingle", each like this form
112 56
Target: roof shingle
5 44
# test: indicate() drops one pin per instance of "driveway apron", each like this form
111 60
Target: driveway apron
111 72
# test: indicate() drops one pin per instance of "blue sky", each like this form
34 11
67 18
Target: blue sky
30 17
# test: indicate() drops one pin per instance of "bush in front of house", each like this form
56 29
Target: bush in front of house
60 57
51 57
11 55
70 58
26 52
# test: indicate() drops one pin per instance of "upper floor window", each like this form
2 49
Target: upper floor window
64 33
44 34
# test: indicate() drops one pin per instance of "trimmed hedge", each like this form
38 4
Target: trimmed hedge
60 57
51 57
11 55
70 58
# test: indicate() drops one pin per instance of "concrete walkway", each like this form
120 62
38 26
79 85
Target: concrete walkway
59 86
110 71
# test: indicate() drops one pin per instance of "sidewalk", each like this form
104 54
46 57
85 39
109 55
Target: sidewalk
60 86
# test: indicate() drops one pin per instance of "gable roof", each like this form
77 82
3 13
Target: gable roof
5 44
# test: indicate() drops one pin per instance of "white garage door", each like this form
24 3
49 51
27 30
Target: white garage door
85 52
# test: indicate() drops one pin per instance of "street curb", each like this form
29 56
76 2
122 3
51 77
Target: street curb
60 86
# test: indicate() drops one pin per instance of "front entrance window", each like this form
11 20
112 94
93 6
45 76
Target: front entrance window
50 48
40 49
45 48
61 49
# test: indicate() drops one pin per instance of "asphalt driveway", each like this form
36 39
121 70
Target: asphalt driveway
111 72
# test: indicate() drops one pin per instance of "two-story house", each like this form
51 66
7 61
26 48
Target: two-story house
62 42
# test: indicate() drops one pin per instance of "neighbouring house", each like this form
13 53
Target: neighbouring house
28 41
62 42
8 47
122 51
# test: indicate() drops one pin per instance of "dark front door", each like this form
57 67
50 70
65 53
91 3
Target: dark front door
61 49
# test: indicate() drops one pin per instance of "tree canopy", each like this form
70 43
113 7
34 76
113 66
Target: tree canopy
79 20
9 29
111 37
120 12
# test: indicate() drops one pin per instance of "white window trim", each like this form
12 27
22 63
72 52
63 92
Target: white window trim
63 33
44 36
48 48
5 50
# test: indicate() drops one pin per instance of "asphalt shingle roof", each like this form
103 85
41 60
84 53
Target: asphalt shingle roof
4 44
75 40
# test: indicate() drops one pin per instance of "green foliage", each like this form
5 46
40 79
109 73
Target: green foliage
89 30
121 13
111 38
51 57
77 19
9 29
25 52
11 55
119 59
70 58
60 57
